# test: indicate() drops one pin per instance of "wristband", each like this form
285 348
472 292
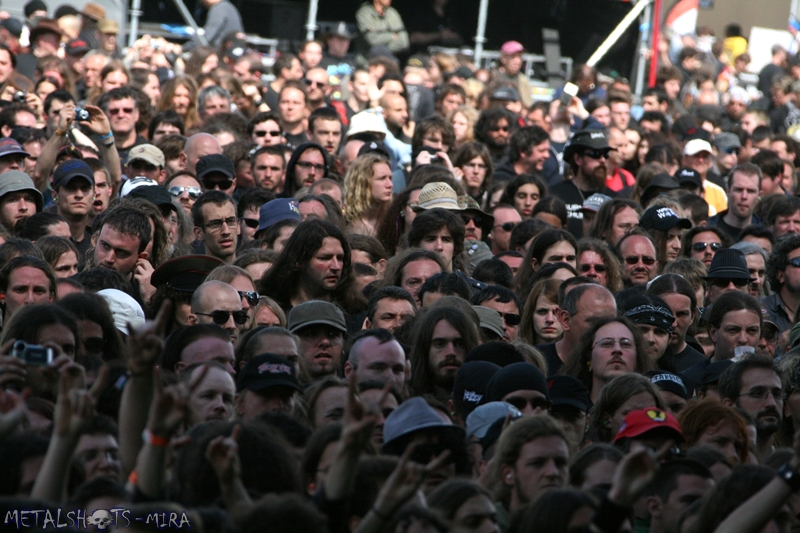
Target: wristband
790 476
154 440
60 133
106 136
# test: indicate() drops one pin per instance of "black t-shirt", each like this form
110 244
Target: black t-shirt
550 354
574 198
295 140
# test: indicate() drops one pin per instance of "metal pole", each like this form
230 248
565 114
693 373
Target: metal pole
311 25
187 17
480 36
618 31
644 33
651 80
135 12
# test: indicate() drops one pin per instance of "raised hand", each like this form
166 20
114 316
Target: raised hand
406 479
98 121
223 454
168 409
145 343
635 472
75 406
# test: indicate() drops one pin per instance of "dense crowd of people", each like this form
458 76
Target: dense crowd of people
369 289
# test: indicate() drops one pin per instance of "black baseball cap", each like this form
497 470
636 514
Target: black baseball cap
662 219
215 164
266 371
568 390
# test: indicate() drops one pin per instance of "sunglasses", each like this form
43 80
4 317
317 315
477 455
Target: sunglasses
634 259
220 317
222 185
596 154
724 282
193 192
508 226
126 110
252 297
317 84
700 246
730 150
505 128
536 403
265 133
251 223
476 219
795 262
511 319
586 267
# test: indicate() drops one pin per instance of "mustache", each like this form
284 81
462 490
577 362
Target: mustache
449 361
770 411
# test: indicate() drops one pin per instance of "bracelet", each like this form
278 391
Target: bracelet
154 440
379 515
790 476
106 136
60 133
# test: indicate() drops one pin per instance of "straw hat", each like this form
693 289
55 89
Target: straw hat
437 194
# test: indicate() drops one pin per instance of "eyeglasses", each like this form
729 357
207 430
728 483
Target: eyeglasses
251 223
87 456
607 343
586 267
508 226
193 192
94 345
117 111
634 259
217 224
220 317
730 150
317 84
270 133
252 297
700 246
511 319
476 219
724 282
305 165
795 262
761 393
596 154
536 403
222 185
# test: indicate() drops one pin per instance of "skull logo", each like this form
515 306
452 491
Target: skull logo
100 519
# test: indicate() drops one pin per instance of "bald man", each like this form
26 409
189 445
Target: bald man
216 302
197 146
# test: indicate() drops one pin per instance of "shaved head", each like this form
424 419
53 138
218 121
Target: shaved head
197 146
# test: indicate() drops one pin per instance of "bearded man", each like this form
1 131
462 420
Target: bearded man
586 154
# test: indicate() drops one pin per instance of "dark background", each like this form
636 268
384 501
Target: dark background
583 24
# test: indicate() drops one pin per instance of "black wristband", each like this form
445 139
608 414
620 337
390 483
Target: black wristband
790 476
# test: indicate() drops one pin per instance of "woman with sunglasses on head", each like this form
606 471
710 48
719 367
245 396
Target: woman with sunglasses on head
702 243
185 187
369 192
598 262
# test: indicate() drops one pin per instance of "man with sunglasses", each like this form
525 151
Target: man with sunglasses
216 302
318 87
506 217
744 184
248 210
216 225
639 257
505 302
121 108
728 147
587 155
728 272
216 172
783 274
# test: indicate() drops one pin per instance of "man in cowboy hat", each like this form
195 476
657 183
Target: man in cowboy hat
586 154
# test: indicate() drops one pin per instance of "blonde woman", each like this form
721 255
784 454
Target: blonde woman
463 120
369 191
180 95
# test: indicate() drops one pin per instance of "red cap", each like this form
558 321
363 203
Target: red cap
512 47
641 421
